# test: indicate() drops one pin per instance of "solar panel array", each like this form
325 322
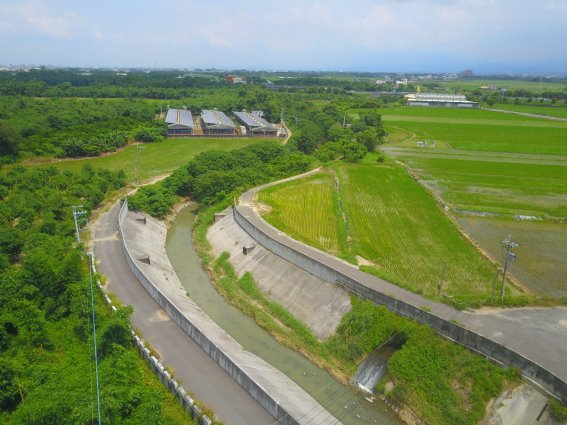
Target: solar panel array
253 121
179 116
215 118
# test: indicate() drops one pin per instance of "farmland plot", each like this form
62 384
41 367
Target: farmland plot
396 225
307 210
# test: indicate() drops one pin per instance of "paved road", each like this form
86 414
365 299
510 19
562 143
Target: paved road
191 366
540 334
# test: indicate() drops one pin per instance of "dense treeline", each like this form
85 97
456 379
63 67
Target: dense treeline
216 176
46 370
76 127
67 114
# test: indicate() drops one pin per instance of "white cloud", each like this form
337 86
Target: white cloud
36 16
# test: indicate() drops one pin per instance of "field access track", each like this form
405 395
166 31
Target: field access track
531 339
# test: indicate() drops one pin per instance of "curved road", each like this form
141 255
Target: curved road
192 367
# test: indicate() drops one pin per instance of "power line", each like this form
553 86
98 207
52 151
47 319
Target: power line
91 261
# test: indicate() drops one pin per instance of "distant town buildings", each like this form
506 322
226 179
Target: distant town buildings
233 79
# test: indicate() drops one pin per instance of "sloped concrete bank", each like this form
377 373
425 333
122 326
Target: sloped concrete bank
440 318
143 242
317 303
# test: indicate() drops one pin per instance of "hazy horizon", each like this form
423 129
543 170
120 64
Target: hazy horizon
396 36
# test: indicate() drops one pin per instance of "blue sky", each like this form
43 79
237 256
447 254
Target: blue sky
517 36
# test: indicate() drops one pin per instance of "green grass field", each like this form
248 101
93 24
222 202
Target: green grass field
478 130
532 86
395 226
292 209
552 111
505 188
513 166
156 159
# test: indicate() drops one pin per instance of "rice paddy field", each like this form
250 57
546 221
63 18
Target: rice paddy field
532 86
478 130
551 111
494 176
395 229
292 208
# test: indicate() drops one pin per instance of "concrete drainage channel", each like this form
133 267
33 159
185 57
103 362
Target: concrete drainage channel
274 391
348 405
163 375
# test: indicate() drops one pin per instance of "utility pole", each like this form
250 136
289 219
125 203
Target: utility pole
509 245
137 169
78 212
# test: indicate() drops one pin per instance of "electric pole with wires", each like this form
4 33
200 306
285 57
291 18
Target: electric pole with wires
77 213
508 245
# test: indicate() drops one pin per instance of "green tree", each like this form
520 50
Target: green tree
8 140
354 151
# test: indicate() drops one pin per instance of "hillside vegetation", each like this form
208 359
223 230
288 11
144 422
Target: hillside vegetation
46 347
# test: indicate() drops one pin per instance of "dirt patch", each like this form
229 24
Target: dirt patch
364 262
262 208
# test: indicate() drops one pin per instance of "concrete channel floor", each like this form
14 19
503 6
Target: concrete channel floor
540 334
191 366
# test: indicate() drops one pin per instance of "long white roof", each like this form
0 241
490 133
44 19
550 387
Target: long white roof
254 121
216 118
179 116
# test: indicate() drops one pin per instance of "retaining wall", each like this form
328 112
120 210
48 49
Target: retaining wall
282 415
472 340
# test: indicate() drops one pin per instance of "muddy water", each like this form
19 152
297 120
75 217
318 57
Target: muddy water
347 405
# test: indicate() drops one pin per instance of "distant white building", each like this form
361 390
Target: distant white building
440 100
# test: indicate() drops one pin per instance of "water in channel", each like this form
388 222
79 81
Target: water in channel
345 404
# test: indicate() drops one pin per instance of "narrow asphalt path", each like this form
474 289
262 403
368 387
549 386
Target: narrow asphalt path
191 366
540 334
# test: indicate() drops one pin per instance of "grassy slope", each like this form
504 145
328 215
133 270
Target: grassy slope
156 158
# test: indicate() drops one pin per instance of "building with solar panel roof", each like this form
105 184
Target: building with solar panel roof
255 124
216 122
440 100
179 122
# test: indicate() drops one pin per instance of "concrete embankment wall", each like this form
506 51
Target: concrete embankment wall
276 393
466 337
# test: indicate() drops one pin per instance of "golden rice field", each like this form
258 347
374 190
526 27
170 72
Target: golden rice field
307 210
